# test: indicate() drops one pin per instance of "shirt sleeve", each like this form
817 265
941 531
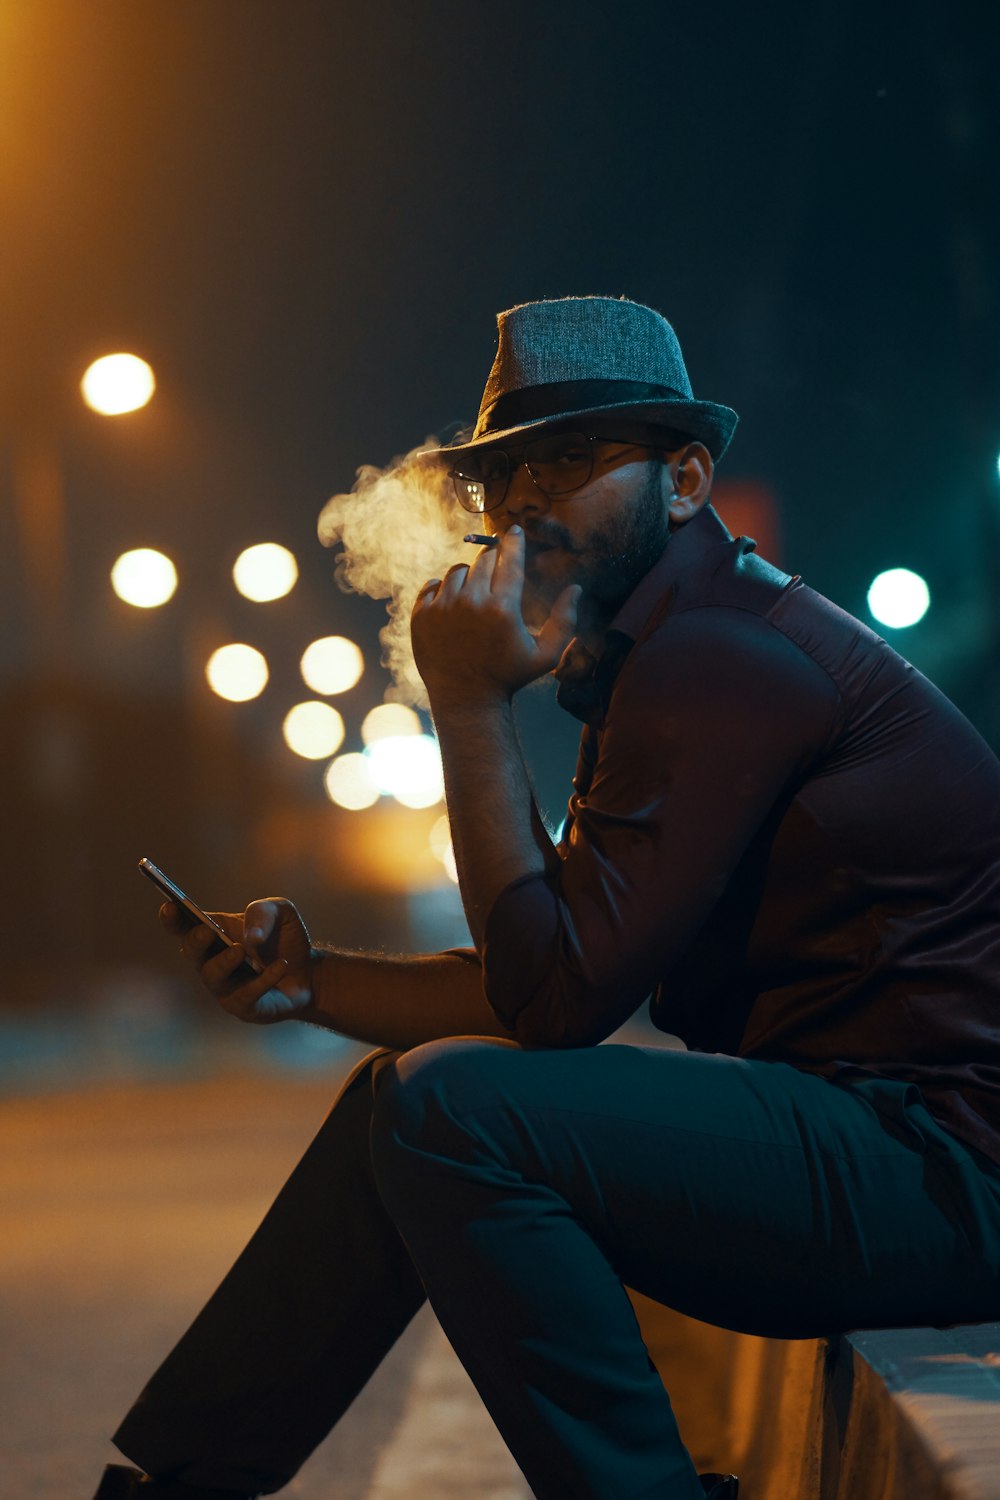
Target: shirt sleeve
712 720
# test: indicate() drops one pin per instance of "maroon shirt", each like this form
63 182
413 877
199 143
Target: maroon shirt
782 832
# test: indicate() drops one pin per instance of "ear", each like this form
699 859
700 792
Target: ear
688 472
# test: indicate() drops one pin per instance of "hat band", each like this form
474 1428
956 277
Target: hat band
534 402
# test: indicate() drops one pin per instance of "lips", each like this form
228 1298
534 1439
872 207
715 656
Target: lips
535 544
535 554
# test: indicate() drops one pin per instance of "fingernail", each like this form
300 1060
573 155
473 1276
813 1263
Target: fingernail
255 934
514 531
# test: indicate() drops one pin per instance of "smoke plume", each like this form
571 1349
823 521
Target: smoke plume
398 527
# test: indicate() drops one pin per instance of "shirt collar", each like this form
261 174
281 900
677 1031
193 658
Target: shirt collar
585 681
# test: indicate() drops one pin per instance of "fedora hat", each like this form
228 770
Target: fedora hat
573 358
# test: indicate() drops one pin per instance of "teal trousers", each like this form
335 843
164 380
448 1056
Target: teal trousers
522 1191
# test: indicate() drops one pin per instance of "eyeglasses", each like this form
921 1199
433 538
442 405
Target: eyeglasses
559 464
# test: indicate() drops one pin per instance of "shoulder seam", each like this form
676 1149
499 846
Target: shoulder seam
765 620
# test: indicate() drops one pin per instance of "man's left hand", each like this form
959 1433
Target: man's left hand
469 637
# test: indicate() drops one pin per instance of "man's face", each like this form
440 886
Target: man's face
604 537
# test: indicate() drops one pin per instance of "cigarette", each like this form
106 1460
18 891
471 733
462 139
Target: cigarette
481 541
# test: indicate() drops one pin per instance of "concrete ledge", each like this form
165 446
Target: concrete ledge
936 1396
905 1414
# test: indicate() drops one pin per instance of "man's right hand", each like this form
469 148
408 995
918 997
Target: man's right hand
272 933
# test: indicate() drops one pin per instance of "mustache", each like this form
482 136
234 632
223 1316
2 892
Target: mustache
547 533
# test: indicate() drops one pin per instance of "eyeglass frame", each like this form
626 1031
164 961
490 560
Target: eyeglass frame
589 437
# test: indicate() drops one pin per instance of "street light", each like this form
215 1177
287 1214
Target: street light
118 383
265 572
144 578
389 720
332 665
348 782
39 494
408 767
899 598
237 672
313 730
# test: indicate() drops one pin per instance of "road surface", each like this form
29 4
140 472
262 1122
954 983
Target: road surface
123 1205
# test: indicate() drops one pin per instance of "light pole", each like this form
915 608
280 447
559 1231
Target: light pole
51 821
112 386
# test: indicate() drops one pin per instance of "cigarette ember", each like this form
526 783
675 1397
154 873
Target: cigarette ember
481 541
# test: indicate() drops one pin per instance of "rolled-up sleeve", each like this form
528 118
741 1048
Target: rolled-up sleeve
712 720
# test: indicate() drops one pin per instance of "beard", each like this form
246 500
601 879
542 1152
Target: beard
607 564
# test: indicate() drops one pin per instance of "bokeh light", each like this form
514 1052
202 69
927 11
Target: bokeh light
348 782
408 767
117 383
439 839
313 730
237 672
144 577
265 572
390 721
898 598
332 664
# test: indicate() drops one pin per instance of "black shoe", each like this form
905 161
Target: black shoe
120 1483
720 1486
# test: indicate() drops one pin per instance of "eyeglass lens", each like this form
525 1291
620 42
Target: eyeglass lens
557 463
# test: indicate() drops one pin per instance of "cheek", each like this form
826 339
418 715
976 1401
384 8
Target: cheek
603 507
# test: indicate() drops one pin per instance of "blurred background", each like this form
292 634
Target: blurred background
300 219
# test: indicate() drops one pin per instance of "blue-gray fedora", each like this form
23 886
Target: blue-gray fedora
578 357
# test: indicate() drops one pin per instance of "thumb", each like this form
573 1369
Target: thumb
259 921
557 632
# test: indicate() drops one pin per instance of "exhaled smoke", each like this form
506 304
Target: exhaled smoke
398 527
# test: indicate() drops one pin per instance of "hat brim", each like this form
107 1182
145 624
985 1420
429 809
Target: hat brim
701 421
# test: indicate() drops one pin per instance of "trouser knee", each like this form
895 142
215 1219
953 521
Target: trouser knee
421 1125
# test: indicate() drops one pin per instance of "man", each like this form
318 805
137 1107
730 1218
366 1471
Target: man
780 832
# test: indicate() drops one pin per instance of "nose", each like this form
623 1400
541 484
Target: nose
523 496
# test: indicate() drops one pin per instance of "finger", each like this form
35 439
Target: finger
218 969
453 581
171 917
259 921
557 632
508 575
223 975
178 921
276 1003
242 997
480 579
428 591
199 943
265 925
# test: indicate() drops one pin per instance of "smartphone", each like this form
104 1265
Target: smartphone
195 917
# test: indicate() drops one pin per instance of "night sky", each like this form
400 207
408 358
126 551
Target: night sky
306 216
